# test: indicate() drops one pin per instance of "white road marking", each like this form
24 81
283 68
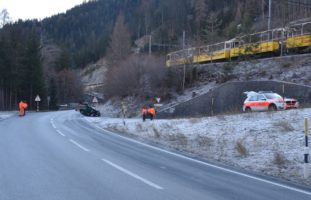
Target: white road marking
59 132
208 164
133 175
79 145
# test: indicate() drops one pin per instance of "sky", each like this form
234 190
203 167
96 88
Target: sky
36 9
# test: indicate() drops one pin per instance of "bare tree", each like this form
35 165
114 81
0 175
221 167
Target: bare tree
200 9
4 17
120 44
212 25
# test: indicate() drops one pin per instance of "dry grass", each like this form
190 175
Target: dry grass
221 117
241 149
179 139
195 120
279 159
139 127
156 133
204 141
284 126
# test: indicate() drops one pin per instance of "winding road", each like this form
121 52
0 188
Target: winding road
61 156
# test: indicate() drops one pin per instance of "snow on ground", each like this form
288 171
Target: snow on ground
4 115
268 142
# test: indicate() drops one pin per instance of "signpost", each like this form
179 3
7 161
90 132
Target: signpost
37 99
158 104
124 109
49 99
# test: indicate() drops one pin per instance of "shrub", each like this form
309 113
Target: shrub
156 132
204 141
241 149
142 76
279 159
284 126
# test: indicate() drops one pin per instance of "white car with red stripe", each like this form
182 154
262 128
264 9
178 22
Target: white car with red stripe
263 101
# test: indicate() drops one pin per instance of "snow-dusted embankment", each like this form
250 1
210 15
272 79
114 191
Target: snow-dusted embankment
268 142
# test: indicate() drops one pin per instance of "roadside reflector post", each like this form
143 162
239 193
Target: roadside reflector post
306 152
212 110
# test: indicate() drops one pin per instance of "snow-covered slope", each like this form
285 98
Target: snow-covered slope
269 142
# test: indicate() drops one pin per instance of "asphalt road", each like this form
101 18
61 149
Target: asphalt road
59 155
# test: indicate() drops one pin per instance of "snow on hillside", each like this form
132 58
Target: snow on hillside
269 142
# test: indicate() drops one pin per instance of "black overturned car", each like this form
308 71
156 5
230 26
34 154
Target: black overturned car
88 111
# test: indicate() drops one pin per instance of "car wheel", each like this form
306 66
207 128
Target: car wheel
248 109
272 107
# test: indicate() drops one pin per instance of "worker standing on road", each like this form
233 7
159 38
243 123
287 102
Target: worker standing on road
144 112
22 108
151 112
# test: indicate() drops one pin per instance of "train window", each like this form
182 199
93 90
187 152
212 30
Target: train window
229 45
307 28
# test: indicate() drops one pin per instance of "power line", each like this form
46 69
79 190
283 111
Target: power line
299 3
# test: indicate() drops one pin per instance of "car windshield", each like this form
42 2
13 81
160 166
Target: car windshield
272 96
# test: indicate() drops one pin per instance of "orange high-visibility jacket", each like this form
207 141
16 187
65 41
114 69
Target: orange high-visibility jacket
22 105
152 111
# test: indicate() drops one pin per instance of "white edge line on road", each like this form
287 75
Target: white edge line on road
59 132
208 164
79 145
133 175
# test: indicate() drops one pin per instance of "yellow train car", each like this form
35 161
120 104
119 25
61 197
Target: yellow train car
181 57
213 56
213 52
298 41
257 48
294 36
298 35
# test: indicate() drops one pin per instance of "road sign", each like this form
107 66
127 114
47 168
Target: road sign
95 100
37 98
158 99
158 104
49 99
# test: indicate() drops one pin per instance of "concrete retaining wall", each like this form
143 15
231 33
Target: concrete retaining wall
229 97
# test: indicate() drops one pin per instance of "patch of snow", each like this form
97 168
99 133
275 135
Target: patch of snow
268 142
4 115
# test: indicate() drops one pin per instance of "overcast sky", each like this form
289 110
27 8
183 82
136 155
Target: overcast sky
31 9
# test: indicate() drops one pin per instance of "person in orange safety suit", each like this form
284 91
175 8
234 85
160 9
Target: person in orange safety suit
144 112
151 112
22 108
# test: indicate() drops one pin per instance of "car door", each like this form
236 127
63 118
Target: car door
262 103
254 103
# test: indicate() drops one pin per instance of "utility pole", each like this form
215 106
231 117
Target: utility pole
149 44
269 17
183 47
183 39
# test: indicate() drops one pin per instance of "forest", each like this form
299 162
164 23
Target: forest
41 57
